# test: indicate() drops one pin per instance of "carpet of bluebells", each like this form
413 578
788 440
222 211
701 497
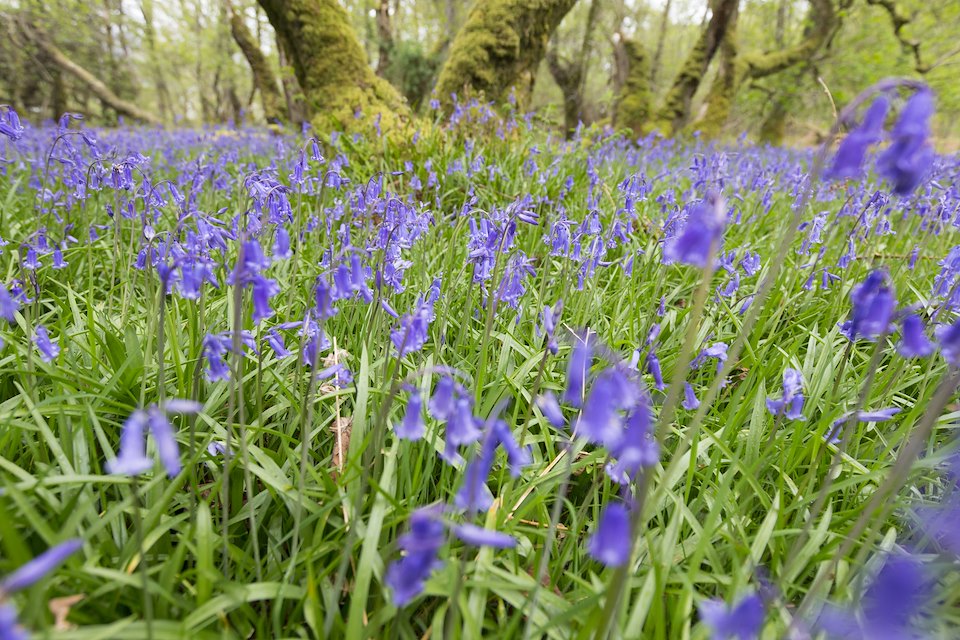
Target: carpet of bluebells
478 381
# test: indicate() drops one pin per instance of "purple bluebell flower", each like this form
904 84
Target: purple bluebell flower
132 457
443 402
909 157
462 428
948 336
167 448
215 347
10 628
8 305
263 289
49 349
848 163
700 234
611 541
690 401
913 341
790 404
653 366
480 537
637 448
412 427
600 421
741 621
36 569
877 415
547 402
10 124
275 340
577 370
888 608
717 350
873 304
406 576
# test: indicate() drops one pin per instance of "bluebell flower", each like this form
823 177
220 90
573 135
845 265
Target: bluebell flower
163 435
462 428
909 157
700 234
873 304
690 401
637 448
412 427
29 573
275 340
10 124
480 537
913 342
600 421
263 289
948 336
443 402
215 347
10 628
406 577
611 542
49 349
878 415
577 370
132 457
790 404
848 163
742 621
888 608
547 402
8 305
653 366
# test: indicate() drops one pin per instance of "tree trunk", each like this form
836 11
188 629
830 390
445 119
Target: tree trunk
96 86
633 104
384 36
571 76
263 78
330 64
675 112
163 93
499 48
661 37
296 109
723 91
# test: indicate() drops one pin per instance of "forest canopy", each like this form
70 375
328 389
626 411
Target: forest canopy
776 70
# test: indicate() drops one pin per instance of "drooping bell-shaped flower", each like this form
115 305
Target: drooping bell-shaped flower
611 541
848 163
740 621
48 349
34 570
412 427
913 341
406 576
873 304
909 157
700 234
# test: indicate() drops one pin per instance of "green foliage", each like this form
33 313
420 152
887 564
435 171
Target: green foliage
413 71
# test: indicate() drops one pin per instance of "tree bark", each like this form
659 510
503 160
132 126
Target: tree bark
499 48
149 34
658 54
331 65
571 76
675 112
296 109
723 91
263 78
96 86
384 36
633 104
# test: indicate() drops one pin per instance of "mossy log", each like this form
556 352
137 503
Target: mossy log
499 48
331 66
723 90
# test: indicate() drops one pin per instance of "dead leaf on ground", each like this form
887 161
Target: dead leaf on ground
60 608
342 428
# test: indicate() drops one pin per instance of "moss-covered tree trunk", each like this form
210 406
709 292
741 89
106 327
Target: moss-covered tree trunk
330 64
675 112
263 78
723 91
570 76
633 104
499 48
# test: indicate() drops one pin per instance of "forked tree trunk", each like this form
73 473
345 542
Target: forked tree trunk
499 48
675 113
263 78
331 65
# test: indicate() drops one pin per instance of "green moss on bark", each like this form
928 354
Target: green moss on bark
499 48
331 65
632 109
